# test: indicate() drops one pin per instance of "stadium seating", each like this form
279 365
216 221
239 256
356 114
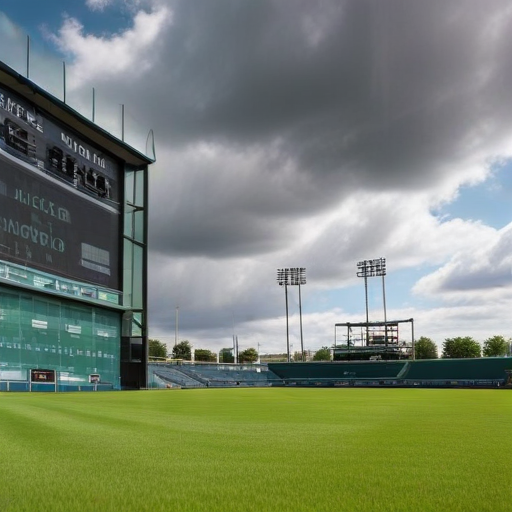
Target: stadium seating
174 375
438 372
213 375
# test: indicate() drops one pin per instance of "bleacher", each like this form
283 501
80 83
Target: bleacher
193 375
225 375
173 374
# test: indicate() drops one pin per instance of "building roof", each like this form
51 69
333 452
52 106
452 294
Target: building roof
64 113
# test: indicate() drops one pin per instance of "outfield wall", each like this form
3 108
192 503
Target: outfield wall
481 372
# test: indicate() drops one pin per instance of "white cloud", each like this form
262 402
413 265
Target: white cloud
481 273
98 5
96 59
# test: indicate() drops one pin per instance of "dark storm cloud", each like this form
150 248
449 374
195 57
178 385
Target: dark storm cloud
334 96
367 90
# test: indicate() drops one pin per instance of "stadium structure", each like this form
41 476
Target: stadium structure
487 372
73 247
376 341
364 354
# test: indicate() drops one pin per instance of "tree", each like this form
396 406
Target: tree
249 355
461 347
495 346
297 356
425 348
182 350
202 354
324 354
226 356
157 349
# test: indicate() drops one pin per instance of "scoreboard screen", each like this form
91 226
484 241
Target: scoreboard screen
48 226
47 376
59 198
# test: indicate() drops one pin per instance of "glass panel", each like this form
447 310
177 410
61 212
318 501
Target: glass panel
108 113
46 70
139 188
137 135
37 279
139 227
127 273
75 340
13 45
128 221
137 324
129 186
138 255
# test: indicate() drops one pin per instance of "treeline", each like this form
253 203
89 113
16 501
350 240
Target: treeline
183 350
462 347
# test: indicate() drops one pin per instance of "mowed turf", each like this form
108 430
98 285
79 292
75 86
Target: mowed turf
257 450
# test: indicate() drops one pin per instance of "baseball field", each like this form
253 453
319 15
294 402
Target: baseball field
261 449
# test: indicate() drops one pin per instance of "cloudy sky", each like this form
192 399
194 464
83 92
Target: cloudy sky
308 133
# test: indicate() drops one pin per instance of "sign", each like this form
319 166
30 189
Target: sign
44 376
94 378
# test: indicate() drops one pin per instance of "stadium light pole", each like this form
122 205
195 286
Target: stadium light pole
373 268
292 277
176 329
283 280
301 279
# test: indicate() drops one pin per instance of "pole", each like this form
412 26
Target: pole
385 314
93 105
122 122
28 57
301 336
63 81
413 343
366 301
287 323
176 326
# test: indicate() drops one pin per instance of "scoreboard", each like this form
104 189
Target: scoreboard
59 198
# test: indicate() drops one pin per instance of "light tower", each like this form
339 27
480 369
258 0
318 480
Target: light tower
294 277
373 268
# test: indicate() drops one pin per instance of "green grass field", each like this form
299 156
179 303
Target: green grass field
257 450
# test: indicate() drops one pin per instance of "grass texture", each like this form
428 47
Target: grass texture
275 450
